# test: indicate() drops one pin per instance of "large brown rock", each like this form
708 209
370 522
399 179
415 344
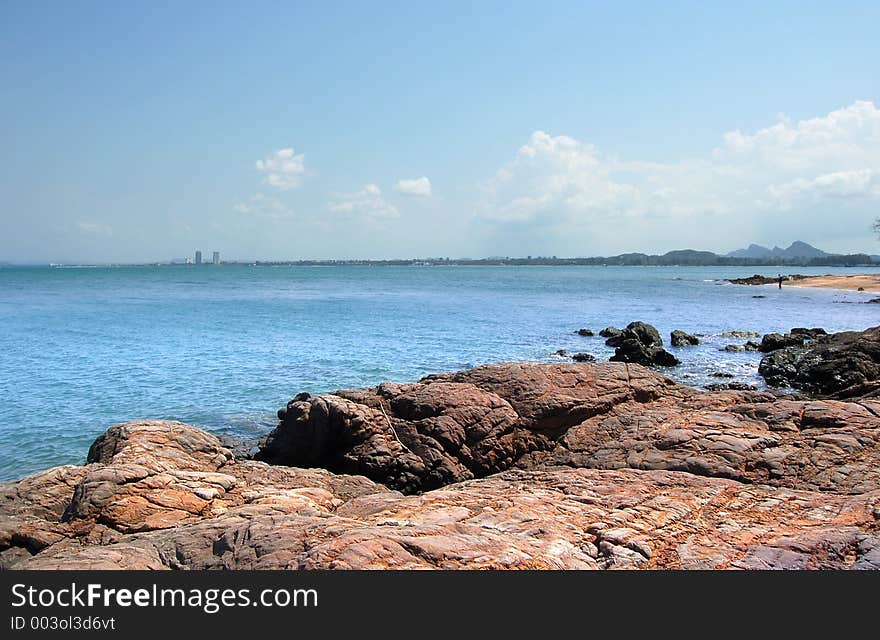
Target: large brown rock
452 427
541 466
411 437
148 476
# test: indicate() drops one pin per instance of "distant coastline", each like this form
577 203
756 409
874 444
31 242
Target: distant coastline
681 258
853 282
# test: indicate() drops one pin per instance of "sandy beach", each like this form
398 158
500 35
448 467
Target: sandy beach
868 282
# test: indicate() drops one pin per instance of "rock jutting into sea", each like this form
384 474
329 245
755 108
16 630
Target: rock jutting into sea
774 341
761 280
640 343
842 364
681 339
740 334
737 348
516 465
730 386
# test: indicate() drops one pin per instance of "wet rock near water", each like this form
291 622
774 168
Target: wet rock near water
615 341
682 339
612 332
640 343
242 448
773 341
586 333
577 357
730 386
795 338
749 345
740 334
762 280
830 364
808 334
755 280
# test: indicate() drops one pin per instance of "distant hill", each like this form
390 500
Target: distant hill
684 257
753 251
796 250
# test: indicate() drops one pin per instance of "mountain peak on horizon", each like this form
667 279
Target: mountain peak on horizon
797 249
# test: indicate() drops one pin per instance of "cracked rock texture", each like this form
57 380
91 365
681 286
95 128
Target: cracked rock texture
452 427
504 466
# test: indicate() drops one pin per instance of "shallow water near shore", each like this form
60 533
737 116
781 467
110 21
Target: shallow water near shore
224 348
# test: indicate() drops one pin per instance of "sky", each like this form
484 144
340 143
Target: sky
142 131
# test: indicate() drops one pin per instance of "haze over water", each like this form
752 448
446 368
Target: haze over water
224 348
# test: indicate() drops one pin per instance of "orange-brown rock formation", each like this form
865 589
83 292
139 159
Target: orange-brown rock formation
506 466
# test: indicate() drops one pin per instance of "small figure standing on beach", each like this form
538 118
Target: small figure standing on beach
780 280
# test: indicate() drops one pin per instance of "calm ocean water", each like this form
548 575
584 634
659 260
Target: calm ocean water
224 348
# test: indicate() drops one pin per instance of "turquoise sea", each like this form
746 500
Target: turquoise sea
224 347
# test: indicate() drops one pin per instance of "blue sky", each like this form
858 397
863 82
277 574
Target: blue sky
142 131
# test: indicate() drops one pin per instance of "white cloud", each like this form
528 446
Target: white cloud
554 178
262 206
855 184
420 187
830 163
367 203
846 138
94 228
284 169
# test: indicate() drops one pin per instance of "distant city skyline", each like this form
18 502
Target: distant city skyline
796 253
137 131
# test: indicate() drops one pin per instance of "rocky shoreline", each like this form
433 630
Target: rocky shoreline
851 282
513 465
759 280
